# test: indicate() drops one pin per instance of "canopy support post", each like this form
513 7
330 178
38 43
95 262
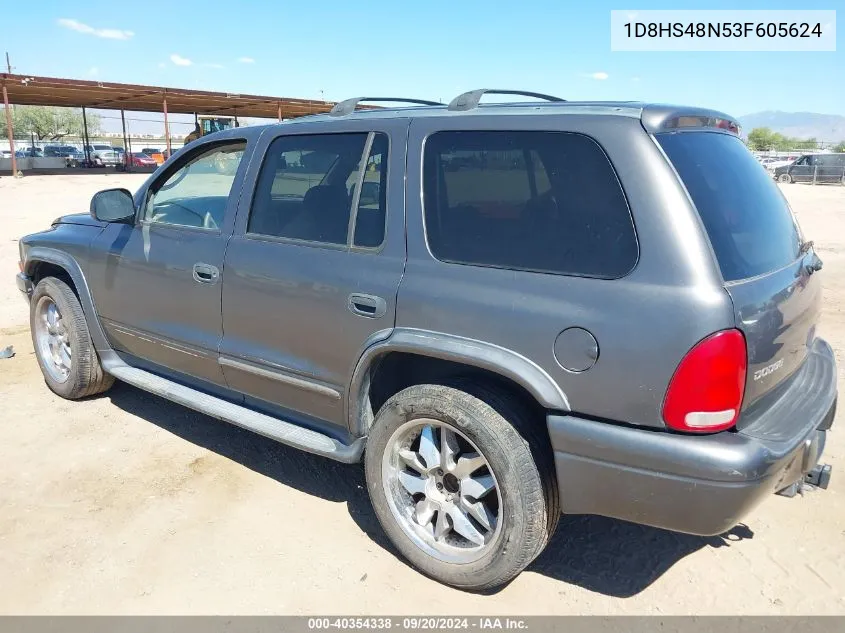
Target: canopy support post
10 129
126 155
85 138
166 127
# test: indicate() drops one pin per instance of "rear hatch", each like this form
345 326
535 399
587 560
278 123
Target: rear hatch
767 268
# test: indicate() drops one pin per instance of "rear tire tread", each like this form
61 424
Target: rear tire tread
529 470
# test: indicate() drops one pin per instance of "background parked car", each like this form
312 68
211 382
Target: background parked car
156 154
139 159
76 158
828 168
99 147
103 158
60 151
779 162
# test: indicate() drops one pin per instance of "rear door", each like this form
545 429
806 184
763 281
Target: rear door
758 245
830 167
314 266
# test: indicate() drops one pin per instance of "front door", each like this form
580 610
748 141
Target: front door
159 295
802 170
313 268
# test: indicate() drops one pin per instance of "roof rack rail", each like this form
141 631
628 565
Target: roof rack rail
348 106
469 100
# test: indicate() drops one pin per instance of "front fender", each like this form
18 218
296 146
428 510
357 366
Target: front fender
474 353
36 254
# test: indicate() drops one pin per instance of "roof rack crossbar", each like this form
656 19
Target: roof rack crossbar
348 106
469 100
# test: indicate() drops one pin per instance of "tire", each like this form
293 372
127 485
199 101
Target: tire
785 178
518 462
62 343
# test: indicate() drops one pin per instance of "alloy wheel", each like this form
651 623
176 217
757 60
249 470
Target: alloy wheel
441 491
53 339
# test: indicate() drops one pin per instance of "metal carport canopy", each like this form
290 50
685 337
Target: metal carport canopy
77 93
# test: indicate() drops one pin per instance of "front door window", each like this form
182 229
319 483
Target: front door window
196 193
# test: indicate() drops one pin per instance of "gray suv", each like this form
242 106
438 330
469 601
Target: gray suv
519 310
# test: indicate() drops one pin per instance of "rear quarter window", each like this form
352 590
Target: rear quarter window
536 201
749 223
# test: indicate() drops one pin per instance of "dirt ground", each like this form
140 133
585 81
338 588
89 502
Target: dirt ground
127 503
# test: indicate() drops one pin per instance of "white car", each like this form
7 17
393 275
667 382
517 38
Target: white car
777 163
104 157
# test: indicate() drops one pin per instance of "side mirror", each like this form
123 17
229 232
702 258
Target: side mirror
113 205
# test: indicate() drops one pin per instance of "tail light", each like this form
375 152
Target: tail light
705 394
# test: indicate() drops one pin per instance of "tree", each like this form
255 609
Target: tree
840 147
760 139
780 142
809 143
50 123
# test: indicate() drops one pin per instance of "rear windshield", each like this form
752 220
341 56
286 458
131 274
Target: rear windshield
750 225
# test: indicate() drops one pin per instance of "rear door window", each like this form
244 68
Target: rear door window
302 191
308 184
750 225
537 201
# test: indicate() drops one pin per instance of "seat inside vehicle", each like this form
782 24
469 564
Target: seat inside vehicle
324 215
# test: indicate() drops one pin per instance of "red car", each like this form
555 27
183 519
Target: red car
139 159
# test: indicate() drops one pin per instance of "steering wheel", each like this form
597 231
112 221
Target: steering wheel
206 220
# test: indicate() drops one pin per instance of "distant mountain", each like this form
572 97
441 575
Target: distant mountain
824 127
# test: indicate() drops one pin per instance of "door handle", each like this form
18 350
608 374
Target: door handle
206 273
368 306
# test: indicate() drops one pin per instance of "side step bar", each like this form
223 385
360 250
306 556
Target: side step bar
268 426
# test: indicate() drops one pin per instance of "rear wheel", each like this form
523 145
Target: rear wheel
62 342
462 483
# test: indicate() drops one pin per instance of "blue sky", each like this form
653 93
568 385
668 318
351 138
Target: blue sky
434 49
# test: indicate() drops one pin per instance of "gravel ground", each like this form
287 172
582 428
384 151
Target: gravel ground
127 503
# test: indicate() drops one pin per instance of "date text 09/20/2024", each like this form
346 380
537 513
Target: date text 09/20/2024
417 623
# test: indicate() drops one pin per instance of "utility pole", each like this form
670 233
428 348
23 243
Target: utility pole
8 64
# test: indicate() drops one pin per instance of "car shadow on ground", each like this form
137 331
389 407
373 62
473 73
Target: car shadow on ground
608 556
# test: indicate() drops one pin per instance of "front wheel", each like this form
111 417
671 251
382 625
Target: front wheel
63 345
462 482
785 178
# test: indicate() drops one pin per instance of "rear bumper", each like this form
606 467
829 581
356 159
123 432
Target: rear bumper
24 284
695 484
